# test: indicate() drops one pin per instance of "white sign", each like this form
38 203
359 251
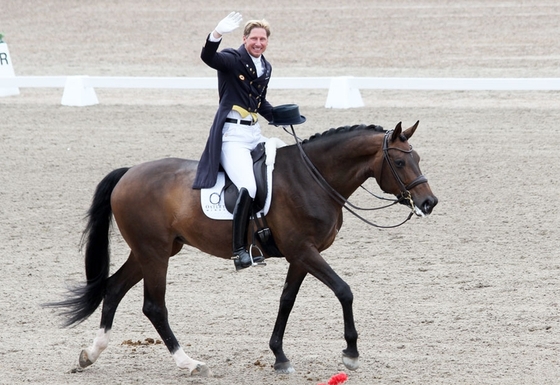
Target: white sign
6 70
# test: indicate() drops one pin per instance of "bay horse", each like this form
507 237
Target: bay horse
157 213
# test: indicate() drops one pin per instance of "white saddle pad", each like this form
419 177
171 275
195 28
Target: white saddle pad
212 199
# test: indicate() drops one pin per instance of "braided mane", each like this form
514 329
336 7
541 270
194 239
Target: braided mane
334 131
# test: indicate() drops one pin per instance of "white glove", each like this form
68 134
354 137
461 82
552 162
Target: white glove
229 23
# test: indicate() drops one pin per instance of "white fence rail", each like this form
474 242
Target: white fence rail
343 91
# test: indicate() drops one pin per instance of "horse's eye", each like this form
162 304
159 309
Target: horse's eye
399 163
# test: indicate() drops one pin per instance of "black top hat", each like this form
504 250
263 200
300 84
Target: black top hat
286 114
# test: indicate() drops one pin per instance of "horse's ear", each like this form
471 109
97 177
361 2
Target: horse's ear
409 131
396 132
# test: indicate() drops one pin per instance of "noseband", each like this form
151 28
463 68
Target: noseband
405 189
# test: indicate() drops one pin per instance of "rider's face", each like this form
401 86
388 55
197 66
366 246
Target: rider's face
256 42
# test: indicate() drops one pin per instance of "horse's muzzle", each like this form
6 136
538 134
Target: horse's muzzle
428 205
425 208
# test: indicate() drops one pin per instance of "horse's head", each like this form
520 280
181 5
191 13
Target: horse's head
400 173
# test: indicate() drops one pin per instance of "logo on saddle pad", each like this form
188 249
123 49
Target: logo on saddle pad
218 202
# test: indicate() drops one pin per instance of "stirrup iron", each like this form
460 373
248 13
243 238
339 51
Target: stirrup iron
258 258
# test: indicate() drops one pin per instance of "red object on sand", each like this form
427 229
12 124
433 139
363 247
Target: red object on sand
336 379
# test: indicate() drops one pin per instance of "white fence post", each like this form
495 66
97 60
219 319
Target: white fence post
6 70
77 94
342 94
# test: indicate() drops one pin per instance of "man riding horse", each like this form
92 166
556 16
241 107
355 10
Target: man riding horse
243 76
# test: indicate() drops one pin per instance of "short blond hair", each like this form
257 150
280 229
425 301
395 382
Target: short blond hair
251 24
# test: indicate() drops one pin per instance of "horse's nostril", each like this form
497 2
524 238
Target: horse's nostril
429 205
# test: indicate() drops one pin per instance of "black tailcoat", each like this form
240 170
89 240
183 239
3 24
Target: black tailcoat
238 84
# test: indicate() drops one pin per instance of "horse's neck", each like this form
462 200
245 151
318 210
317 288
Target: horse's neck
343 165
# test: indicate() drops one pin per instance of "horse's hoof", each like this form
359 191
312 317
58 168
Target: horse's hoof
84 359
351 363
201 371
284 368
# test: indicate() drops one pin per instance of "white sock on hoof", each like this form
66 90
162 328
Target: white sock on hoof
100 343
185 362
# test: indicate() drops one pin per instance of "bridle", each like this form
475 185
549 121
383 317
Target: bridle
337 197
405 189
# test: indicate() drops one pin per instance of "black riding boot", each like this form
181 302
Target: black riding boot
241 257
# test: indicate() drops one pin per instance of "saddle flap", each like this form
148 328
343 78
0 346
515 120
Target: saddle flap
231 192
218 202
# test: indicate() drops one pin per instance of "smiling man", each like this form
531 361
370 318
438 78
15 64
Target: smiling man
243 76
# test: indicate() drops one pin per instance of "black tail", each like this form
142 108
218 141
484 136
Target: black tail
85 299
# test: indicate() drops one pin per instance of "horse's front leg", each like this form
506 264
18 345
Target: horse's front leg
320 269
292 284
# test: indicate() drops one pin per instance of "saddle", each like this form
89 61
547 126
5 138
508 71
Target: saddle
226 197
231 192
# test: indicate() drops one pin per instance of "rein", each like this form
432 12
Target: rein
337 197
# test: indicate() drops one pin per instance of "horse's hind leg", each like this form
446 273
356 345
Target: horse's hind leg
154 308
117 286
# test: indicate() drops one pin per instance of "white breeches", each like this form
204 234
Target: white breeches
237 142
